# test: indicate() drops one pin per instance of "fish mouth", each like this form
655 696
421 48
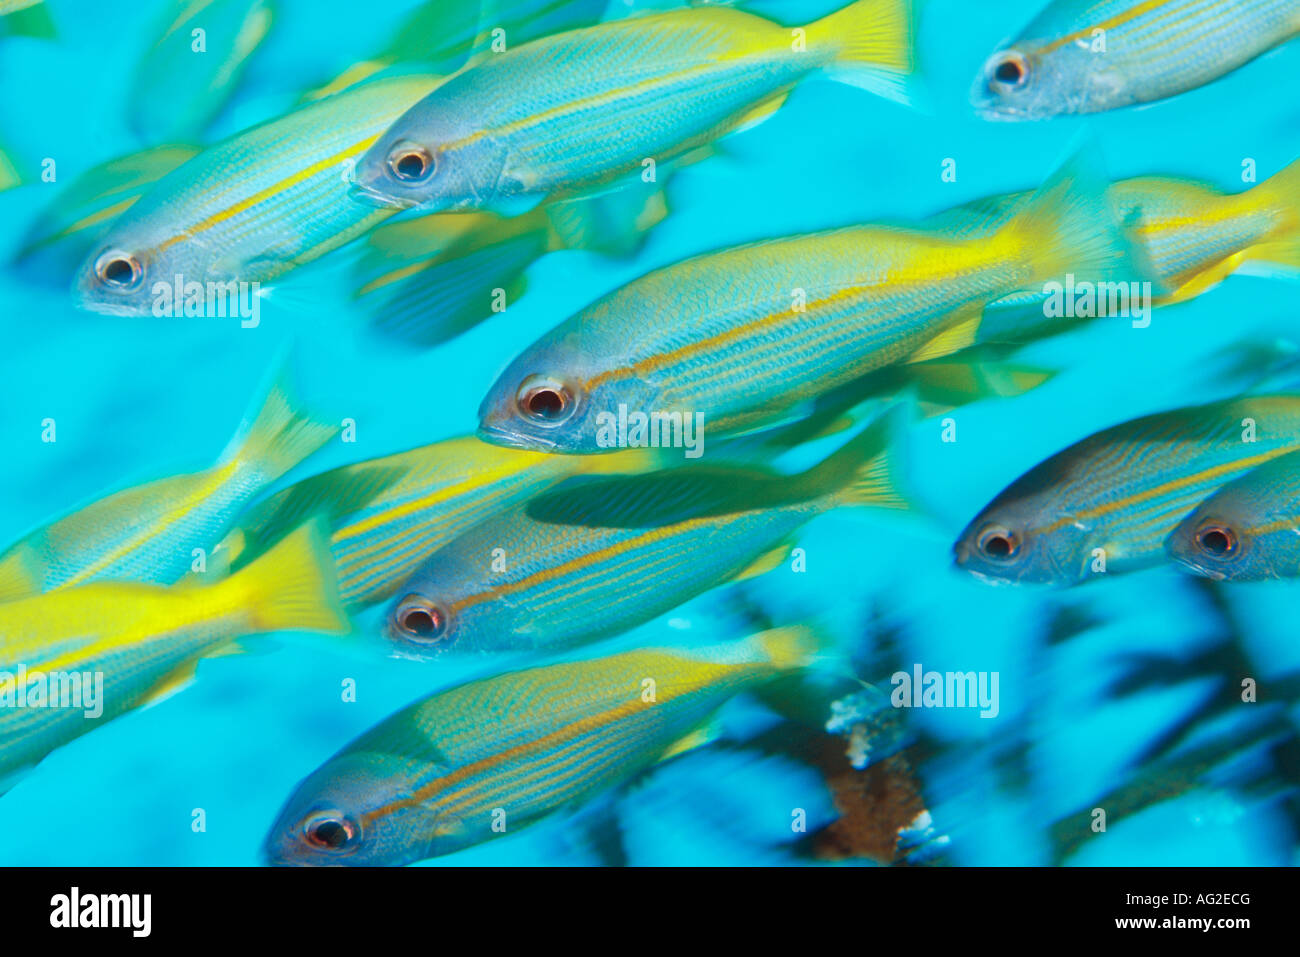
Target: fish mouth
496 435
110 308
1190 565
369 196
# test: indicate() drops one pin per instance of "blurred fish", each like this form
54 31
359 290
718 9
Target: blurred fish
148 533
746 335
1107 504
1248 530
442 36
429 781
251 207
1085 56
62 235
387 515
587 106
25 18
9 175
597 556
107 648
187 76
427 280
1191 235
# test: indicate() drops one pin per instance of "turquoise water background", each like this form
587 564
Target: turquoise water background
136 399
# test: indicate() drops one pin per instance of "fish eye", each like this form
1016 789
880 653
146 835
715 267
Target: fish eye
119 270
1217 540
544 400
419 618
998 543
330 830
1010 71
411 163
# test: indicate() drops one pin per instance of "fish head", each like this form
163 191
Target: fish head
562 394
1025 539
118 278
452 604
1033 80
358 809
431 158
1222 540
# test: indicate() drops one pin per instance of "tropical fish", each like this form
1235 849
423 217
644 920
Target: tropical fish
62 235
1191 236
442 36
747 335
434 777
429 279
250 207
186 77
148 533
597 556
387 515
1107 504
1086 56
114 646
587 106
1247 530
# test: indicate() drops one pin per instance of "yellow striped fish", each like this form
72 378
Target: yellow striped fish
185 78
1085 56
427 280
1248 530
442 35
387 515
1107 504
150 532
62 235
744 336
78 657
489 757
597 556
586 106
251 207
1191 236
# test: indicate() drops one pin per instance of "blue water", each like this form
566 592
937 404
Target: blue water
136 399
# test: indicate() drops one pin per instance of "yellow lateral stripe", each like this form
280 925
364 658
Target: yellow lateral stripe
1118 20
436 497
1205 474
597 100
214 479
290 181
579 562
578 728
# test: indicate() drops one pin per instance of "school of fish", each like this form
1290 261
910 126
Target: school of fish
575 507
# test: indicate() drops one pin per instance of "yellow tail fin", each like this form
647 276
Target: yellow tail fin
1282 191
873 40
293 587
280 437
1066 228
865 470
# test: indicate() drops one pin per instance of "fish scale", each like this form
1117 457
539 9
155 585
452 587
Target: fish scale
257 204
1124 489
427 781
580 108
